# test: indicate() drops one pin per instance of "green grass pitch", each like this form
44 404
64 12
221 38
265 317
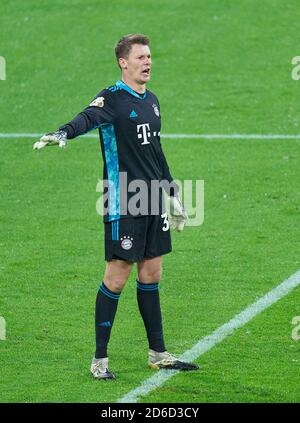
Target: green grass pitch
218 67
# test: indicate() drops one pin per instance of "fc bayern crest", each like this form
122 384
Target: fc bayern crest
156 109
126 242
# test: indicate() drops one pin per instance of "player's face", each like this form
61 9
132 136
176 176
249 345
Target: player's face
139 63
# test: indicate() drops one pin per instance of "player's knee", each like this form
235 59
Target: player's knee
150 276
116 275
115 284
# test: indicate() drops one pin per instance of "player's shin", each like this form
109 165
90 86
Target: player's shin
149 306
106 307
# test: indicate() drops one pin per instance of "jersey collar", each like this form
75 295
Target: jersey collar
122 86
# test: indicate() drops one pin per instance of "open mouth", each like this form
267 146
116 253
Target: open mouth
146 71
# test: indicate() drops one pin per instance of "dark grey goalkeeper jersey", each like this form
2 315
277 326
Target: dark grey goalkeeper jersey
129 126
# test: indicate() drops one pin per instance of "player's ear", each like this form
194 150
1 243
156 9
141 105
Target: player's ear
123 63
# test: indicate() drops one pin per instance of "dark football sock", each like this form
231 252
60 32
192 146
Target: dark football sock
106 307
149 306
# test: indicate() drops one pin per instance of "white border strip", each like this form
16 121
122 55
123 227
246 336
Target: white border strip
216 337
183 136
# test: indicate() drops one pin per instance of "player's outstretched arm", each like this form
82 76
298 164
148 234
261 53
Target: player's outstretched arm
100 110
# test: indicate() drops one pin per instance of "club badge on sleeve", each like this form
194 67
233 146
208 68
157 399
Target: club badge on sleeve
98 102
156 109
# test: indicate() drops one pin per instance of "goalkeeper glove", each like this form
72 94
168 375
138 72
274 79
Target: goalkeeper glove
53 138
177 213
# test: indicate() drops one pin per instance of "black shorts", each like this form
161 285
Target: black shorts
136 238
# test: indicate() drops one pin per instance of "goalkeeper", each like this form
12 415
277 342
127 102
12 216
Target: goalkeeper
127 116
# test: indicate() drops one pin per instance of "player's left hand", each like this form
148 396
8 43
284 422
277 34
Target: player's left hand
53 138
177 214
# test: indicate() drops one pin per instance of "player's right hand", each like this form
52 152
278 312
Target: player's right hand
53 138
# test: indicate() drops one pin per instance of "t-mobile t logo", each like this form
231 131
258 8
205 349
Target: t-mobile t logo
145 132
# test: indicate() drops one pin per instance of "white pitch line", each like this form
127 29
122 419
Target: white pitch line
232 136
183 136
216 337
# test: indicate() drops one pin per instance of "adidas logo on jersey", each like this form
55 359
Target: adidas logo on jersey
133 114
